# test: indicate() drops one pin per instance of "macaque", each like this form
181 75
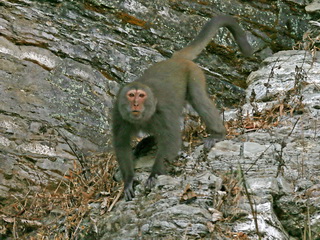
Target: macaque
154 102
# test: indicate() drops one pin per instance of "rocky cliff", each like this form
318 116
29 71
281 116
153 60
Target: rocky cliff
61 64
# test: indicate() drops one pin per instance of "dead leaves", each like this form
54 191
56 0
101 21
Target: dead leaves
188 195
265 119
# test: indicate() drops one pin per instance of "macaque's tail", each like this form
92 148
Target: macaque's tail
208 31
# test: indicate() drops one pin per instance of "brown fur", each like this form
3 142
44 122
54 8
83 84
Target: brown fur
168 84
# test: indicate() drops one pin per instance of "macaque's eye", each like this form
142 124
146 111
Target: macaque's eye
131 94
142 95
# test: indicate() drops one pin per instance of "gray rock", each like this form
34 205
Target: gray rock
61 65
278 76
263 186
314 6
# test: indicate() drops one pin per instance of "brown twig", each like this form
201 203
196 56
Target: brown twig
115 200
253 209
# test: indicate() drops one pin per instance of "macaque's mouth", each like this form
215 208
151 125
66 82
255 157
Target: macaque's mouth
135 112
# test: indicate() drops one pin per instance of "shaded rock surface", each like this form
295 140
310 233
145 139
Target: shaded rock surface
61 64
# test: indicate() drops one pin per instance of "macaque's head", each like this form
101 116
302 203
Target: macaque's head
136 102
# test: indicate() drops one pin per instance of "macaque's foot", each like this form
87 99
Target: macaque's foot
128 191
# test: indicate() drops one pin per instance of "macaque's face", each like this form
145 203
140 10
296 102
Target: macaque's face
136 98
136 104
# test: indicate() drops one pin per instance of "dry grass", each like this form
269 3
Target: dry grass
63 213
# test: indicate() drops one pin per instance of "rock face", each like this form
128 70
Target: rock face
61 64
277 168
279 79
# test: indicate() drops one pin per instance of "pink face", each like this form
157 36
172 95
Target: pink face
136 99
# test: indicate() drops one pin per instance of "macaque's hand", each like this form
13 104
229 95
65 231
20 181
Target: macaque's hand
209 143
150 183
128 191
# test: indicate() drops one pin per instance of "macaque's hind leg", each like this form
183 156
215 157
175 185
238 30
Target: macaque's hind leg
200 101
